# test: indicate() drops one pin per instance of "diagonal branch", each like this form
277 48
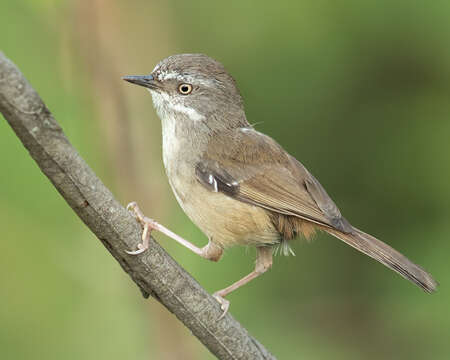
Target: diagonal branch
155 272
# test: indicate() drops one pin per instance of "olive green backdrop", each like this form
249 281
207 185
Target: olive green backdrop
357 90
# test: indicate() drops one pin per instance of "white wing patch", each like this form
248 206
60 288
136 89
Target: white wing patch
213 182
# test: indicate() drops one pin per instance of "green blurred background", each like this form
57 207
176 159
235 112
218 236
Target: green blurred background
357 90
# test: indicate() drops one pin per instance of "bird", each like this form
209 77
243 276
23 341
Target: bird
238 185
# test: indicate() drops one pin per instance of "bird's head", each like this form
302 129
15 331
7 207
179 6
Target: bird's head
194 87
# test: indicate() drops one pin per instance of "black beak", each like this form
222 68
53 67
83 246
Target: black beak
147 81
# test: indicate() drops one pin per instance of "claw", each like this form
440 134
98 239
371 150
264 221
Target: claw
224 305
136 252
131 207
149 224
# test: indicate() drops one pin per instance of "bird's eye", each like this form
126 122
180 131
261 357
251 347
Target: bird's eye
185 89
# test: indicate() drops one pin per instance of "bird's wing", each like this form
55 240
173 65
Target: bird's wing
251 167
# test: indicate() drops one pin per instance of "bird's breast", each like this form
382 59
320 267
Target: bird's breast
170 142
224 220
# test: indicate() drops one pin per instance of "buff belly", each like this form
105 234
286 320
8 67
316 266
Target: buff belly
225 221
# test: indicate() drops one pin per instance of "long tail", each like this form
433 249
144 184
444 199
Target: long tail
386 255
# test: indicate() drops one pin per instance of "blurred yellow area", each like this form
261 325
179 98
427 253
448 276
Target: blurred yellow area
358 91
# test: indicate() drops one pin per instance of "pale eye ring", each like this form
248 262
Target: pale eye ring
185 89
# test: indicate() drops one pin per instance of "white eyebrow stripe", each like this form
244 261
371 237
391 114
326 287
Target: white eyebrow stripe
162 76
168 76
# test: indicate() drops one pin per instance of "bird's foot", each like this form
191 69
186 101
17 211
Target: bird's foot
147 224
134 209
224 304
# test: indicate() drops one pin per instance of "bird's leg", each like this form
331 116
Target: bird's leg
263 263
210 251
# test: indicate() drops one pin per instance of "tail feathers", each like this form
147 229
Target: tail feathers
389 257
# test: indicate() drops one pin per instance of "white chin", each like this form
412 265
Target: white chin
159 98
